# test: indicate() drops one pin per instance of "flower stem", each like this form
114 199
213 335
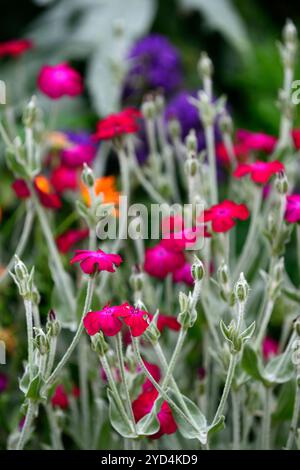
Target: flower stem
210 145
26 430
265 322
54 429
28 310
235 395
295 419
115 392
22 241
84 390
266 422
245 257
226 390
119 349
53 251
64 359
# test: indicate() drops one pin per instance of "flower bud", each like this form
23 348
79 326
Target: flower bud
197 269
223 274
225 123
296 325
183 302
53 326
148 109
152 331
191 165
137 280
289 32
191 141
205 66
159 103
20 269
278 270
281 183
99 345
241 289
174 128
88 176
41 341
30 113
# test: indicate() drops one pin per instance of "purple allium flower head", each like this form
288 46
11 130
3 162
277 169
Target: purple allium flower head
153 63
3 382
187 114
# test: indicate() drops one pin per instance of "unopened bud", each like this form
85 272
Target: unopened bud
30 113
41 341
174 128
20 269
225 123
137 280
205 66
241 289
148 109
278 270
197 269
281 183
223 274
289 32
191 165
53 326
99 345
87 176
183 302
159 103
191 141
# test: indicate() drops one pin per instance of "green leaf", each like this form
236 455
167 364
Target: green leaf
116 419
252 363
285 402
24 382
220 424
221 15
248 332
186 429
278 371
150 424
34 388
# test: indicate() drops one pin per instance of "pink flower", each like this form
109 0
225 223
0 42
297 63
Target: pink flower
240 151
224 215
91 261
292 213
117 125
183 274
138 320
59 80
105 320
257 141
184 239
64 178
154 371
296 138
172 223
42 186
167 321
260 171
60 398
143 406
3 382
270 347
77 155
67 239
160 262
15 47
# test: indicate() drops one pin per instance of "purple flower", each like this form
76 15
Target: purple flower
3 382
153 63
187 114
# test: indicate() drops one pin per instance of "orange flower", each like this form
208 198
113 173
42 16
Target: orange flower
106 186
7 335
58 140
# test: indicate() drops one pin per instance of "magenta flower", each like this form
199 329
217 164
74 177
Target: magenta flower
292 213
224 215
59 80
160 262
66 240
93 261
181 240
183 274
64 178
138 320
270 347
3 382
260 171
257 141
77 155
105 320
